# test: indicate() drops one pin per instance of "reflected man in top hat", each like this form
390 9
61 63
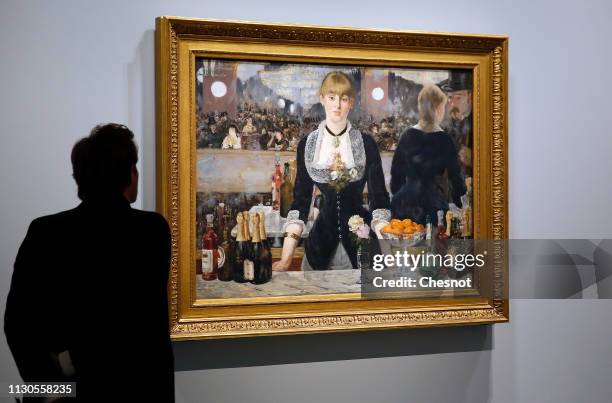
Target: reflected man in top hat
458 87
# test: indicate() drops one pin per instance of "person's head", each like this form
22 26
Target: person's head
432 101
460 104
278 133
232 130
104 163
337 96
458 87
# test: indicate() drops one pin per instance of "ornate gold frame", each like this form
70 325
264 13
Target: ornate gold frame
179 39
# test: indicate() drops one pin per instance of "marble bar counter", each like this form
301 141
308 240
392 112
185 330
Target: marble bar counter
290 283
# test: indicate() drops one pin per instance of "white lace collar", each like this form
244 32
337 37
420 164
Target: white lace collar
313 148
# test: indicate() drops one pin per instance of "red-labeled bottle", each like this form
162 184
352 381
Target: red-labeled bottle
277 180
212 255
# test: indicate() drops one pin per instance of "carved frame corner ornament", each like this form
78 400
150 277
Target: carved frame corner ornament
486 54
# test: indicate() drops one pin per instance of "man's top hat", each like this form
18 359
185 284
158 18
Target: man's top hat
456 81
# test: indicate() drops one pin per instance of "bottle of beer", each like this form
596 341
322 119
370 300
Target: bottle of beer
241 247
212 255
260 250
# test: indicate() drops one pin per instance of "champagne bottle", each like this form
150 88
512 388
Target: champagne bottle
212 255
449 223
262 229
261 252
249 261
241 247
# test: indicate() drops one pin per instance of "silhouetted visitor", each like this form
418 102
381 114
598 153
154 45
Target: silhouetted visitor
88 297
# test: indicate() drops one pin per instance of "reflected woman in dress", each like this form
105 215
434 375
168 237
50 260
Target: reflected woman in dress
340 161
425 165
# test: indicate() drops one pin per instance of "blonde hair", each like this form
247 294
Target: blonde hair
337 82
430 99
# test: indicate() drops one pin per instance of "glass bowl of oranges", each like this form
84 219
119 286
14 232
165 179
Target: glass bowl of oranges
403 233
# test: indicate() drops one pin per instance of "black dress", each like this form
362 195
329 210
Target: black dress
424 171
331 226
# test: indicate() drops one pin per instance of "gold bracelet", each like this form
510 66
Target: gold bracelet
291 235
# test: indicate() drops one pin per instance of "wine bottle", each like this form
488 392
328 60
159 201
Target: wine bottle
241 247
441 231
428 233
286 190
200 230
277 178
261 251
220 211
212 255
226 271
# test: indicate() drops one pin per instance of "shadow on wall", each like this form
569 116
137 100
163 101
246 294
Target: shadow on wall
603 268
141 114
560 269
276 350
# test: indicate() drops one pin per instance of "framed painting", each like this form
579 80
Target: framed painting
294 163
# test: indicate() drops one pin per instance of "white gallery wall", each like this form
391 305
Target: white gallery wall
68 65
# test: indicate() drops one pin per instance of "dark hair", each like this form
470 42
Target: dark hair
102 162
234 126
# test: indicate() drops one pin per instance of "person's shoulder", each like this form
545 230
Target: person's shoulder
445 138
304 139
149 225
367 139
406 137
411 131
369 144
151 217
56 219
